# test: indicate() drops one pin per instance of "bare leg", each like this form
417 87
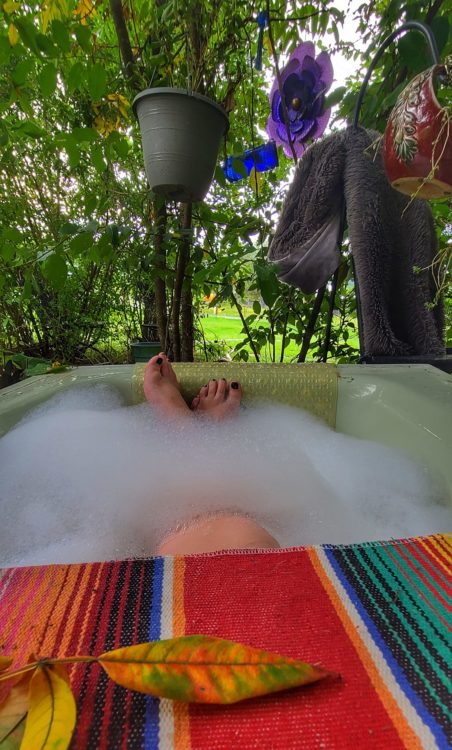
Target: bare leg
214 533
162 389
218 399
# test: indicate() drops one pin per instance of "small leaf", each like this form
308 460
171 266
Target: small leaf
13 35
13 712
97 81
335 97
10 6
238 166
75 77
27 33
55 270
61 35
83 36
256 180
256 307
51 710
201 669
47 80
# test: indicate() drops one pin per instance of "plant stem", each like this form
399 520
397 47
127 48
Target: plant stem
311 324
245 325
280 86
33 665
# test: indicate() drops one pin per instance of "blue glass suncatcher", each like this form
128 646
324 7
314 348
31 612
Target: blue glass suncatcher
262 158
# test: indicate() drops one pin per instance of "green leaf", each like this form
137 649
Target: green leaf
46 45
30 129
80 243
72 150
4 135
85 135
54 269
75 77
27 33
335 97
61 35
119 144
47 79
238 166
5 49
97 158
69 229
97 81
21 71
219 176
257 307
414 52
83 36
440 27
268 283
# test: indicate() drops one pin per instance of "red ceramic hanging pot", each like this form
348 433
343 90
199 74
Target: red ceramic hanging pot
418 139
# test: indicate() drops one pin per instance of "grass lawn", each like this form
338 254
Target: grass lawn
218 328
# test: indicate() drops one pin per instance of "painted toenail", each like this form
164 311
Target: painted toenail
159 361
205 386
224 379
234 385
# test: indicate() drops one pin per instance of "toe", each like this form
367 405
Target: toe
204 391
154 366
213 385
195 402
235 392
152 376
221 390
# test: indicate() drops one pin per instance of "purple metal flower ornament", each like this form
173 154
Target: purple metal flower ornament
305 79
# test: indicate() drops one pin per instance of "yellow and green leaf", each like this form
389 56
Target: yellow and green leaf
13 35
13 712
201 669
51 710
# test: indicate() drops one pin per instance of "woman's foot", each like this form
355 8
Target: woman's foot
162 389
218 399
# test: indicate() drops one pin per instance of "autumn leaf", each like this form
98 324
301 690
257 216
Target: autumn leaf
13 712
51 710
13 35
5 662
201 669
51 10
84 9
10 6
256 179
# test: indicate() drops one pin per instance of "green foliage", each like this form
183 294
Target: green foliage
80 254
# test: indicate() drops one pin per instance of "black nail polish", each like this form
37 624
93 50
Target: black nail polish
224 379
205 386
234 385
214 380
159 361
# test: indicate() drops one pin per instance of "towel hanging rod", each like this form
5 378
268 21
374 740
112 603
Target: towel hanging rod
408 26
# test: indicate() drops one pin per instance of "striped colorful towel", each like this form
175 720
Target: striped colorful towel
377 613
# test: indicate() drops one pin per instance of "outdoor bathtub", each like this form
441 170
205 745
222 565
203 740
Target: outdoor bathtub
403 406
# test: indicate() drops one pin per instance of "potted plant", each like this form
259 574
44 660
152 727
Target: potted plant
181 132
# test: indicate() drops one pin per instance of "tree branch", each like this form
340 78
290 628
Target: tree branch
124 40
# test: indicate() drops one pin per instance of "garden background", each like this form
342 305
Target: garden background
90 260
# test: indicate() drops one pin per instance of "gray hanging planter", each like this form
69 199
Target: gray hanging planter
181 134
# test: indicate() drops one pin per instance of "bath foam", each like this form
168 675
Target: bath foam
84 478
